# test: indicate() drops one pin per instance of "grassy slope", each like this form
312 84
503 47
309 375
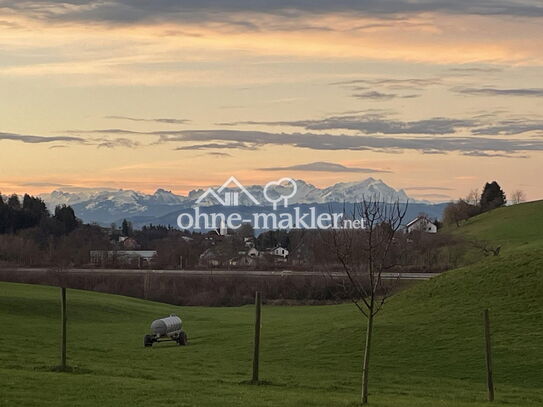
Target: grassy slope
428 347
515 227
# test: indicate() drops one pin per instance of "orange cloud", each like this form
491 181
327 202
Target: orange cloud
152 53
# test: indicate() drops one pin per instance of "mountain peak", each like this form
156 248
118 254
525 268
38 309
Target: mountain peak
162 191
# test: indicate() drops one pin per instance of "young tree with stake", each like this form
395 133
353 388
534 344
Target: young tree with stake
364 255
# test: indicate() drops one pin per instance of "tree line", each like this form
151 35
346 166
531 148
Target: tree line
32 212
30 235
474 204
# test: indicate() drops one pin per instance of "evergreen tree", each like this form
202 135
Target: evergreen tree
245 230
13 202
3 216
65 215
126 228
35 209
492 197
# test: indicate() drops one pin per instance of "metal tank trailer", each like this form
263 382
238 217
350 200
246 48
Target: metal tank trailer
166 329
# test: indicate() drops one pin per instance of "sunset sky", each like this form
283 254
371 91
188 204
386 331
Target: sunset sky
433 96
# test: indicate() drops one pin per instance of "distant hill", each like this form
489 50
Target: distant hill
443 315
517 226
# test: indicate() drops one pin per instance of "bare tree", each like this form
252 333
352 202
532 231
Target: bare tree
473 197
518 196
363 256
456 212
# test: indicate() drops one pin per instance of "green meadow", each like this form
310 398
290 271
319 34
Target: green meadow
428 346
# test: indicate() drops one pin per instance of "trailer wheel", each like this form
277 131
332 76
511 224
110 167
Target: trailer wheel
182 339
147 341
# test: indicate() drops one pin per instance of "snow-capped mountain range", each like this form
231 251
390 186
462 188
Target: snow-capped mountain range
106 205
307 193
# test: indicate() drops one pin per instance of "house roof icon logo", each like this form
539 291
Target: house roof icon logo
229 198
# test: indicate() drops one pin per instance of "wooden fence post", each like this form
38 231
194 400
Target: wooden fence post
63 318
488 354
147 285
256 354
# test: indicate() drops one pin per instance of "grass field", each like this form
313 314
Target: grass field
428 344
514 227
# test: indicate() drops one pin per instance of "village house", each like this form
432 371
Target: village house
421 224
276 255
252 252
279 251
129 243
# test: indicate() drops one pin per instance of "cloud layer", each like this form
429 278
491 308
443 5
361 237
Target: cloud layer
483 135
38 139
372 124
383 123
330 142
99 142
323 166
488 91
138 119
125 11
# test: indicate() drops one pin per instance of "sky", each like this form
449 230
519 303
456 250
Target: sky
436 97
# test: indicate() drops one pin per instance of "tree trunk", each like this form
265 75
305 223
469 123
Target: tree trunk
365 367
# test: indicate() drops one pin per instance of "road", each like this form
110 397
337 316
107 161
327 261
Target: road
226 273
